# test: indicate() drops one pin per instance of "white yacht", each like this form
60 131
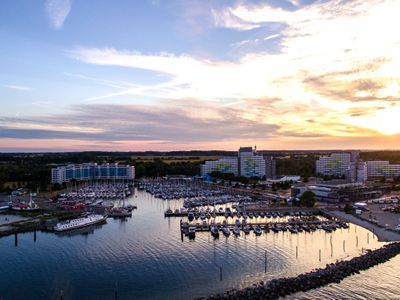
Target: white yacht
80 222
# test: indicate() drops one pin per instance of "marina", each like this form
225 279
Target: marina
150 260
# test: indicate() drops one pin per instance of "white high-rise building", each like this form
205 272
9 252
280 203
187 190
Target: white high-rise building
381 168
337 164
223 165
251 164
248 163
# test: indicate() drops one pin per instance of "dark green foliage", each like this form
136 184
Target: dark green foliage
392 156
307 199
348 209
303 165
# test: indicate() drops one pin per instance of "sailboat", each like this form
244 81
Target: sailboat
120 212
30 206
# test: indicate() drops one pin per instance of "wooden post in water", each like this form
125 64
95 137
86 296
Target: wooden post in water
61 294
16 239
319 255
116 292
368 237
265 262
34 235
357 241
220 273
297 251
331 250
344 246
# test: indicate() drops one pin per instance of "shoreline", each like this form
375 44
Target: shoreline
382 234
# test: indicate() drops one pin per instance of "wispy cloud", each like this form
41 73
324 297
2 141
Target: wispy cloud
18 87
272 36
227 19
57 12
179 123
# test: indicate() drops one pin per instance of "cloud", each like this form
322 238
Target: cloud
18 87
227 19
336 60
57 12
272 36
179 123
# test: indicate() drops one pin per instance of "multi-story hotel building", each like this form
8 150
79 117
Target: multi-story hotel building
248 163
337 164
381 168
223 165
251 164
92 171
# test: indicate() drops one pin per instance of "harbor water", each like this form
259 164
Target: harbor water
145 257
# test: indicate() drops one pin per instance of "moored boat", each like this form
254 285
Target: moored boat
87 220
236 230
214 231
257 230
226 232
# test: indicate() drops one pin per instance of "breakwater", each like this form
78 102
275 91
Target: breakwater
332 273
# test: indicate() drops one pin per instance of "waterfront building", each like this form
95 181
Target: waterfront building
223 165
251 164
337 164
381 168
92 171
337 191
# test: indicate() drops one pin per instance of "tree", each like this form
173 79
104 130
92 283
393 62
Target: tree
348 209
307 199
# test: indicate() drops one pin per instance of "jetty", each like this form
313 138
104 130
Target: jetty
295 226
332 273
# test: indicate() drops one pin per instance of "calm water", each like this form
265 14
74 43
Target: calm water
145 258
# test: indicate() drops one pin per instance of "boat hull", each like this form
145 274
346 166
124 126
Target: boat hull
98 221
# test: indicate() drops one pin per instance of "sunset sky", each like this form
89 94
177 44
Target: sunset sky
198 74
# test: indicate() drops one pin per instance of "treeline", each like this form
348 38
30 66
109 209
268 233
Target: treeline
392 156
303 165
157 167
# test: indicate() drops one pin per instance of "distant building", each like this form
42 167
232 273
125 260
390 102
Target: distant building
336 192
380 168
223 165
270 167
248 163
92 171
337 164
251 164
361 171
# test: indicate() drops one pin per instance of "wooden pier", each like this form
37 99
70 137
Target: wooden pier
264 225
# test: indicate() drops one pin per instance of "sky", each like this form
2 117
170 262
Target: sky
199 74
